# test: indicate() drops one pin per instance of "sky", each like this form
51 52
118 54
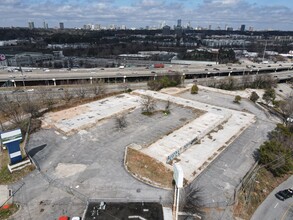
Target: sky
260 14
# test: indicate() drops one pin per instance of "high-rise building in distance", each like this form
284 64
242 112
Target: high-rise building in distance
31 25
61 25
242 28
179 23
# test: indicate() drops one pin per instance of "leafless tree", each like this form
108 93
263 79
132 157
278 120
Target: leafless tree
101 87
120 122
247 81
30 106
286 107
124 87
80 92
192 200
148 104
11 110
66 95
46 97
167 107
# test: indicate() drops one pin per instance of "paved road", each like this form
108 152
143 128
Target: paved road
61 74
220 179
275 209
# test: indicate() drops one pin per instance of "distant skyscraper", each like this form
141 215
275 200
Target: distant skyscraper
179 23
31 25
210 27
45 25
61 25
242 28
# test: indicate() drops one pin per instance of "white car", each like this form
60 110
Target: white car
76 218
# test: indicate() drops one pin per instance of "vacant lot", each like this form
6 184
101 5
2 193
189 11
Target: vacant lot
100 150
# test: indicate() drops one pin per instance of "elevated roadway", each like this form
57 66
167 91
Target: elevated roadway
135 74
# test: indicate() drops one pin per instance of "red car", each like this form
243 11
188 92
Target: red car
63 217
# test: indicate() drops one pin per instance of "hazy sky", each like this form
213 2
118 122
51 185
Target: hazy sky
261 14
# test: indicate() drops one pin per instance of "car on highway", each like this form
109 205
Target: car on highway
18 91
284 194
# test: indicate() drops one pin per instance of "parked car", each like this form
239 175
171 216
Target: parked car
64 217
284 194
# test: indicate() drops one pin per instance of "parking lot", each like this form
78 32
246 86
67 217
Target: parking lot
91 163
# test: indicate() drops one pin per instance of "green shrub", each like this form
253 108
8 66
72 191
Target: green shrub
254 96
276 157
164 82
237 99
194 89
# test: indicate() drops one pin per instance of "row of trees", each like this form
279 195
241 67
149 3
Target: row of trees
160 82
259 81
20 106
276 154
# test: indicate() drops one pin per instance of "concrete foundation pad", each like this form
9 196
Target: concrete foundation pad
66 170
85 116
212 132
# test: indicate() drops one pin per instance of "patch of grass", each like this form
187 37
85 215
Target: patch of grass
5 213
148 169
5 176
255 192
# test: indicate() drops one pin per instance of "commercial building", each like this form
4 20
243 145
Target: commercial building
28 59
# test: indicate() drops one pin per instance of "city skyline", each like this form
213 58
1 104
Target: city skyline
262 15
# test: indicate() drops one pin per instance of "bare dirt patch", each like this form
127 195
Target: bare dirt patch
66 170
148 169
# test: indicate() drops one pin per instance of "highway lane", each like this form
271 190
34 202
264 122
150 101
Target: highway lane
273 208
59 74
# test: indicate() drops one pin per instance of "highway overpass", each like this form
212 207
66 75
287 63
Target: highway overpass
34 76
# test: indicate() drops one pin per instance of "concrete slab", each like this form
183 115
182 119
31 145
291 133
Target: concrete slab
72 120
65 170
4 195
206 136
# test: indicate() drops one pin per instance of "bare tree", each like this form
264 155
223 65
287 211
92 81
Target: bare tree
101 87
11 110
120 122
286 107
30 106
47 98
247 81
80 92
66 95
148 104
192 200
167 107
